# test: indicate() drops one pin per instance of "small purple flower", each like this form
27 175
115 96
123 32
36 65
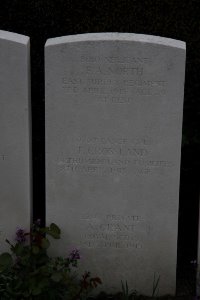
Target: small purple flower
38 222
74 255
20 236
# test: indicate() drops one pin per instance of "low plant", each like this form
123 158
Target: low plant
126 293
28 272
155 285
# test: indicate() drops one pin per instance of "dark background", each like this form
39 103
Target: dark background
43 19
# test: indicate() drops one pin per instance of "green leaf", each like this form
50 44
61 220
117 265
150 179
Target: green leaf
35 249
18 249
44 270
54 231
54 235
5 260
43 283
56 277
45 243
42 259
36 291
54 228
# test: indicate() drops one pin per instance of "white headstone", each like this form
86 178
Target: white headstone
114 105
15 172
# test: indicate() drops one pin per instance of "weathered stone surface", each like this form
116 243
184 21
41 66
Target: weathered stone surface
15 171
114 106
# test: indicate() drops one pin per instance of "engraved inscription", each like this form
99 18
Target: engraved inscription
115 59
110 156
116 70
113 231
107 90
112 79
2 157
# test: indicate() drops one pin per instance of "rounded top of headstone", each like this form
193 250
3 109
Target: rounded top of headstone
116 36
14 37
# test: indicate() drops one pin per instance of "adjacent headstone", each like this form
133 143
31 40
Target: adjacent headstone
114 105
15 171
